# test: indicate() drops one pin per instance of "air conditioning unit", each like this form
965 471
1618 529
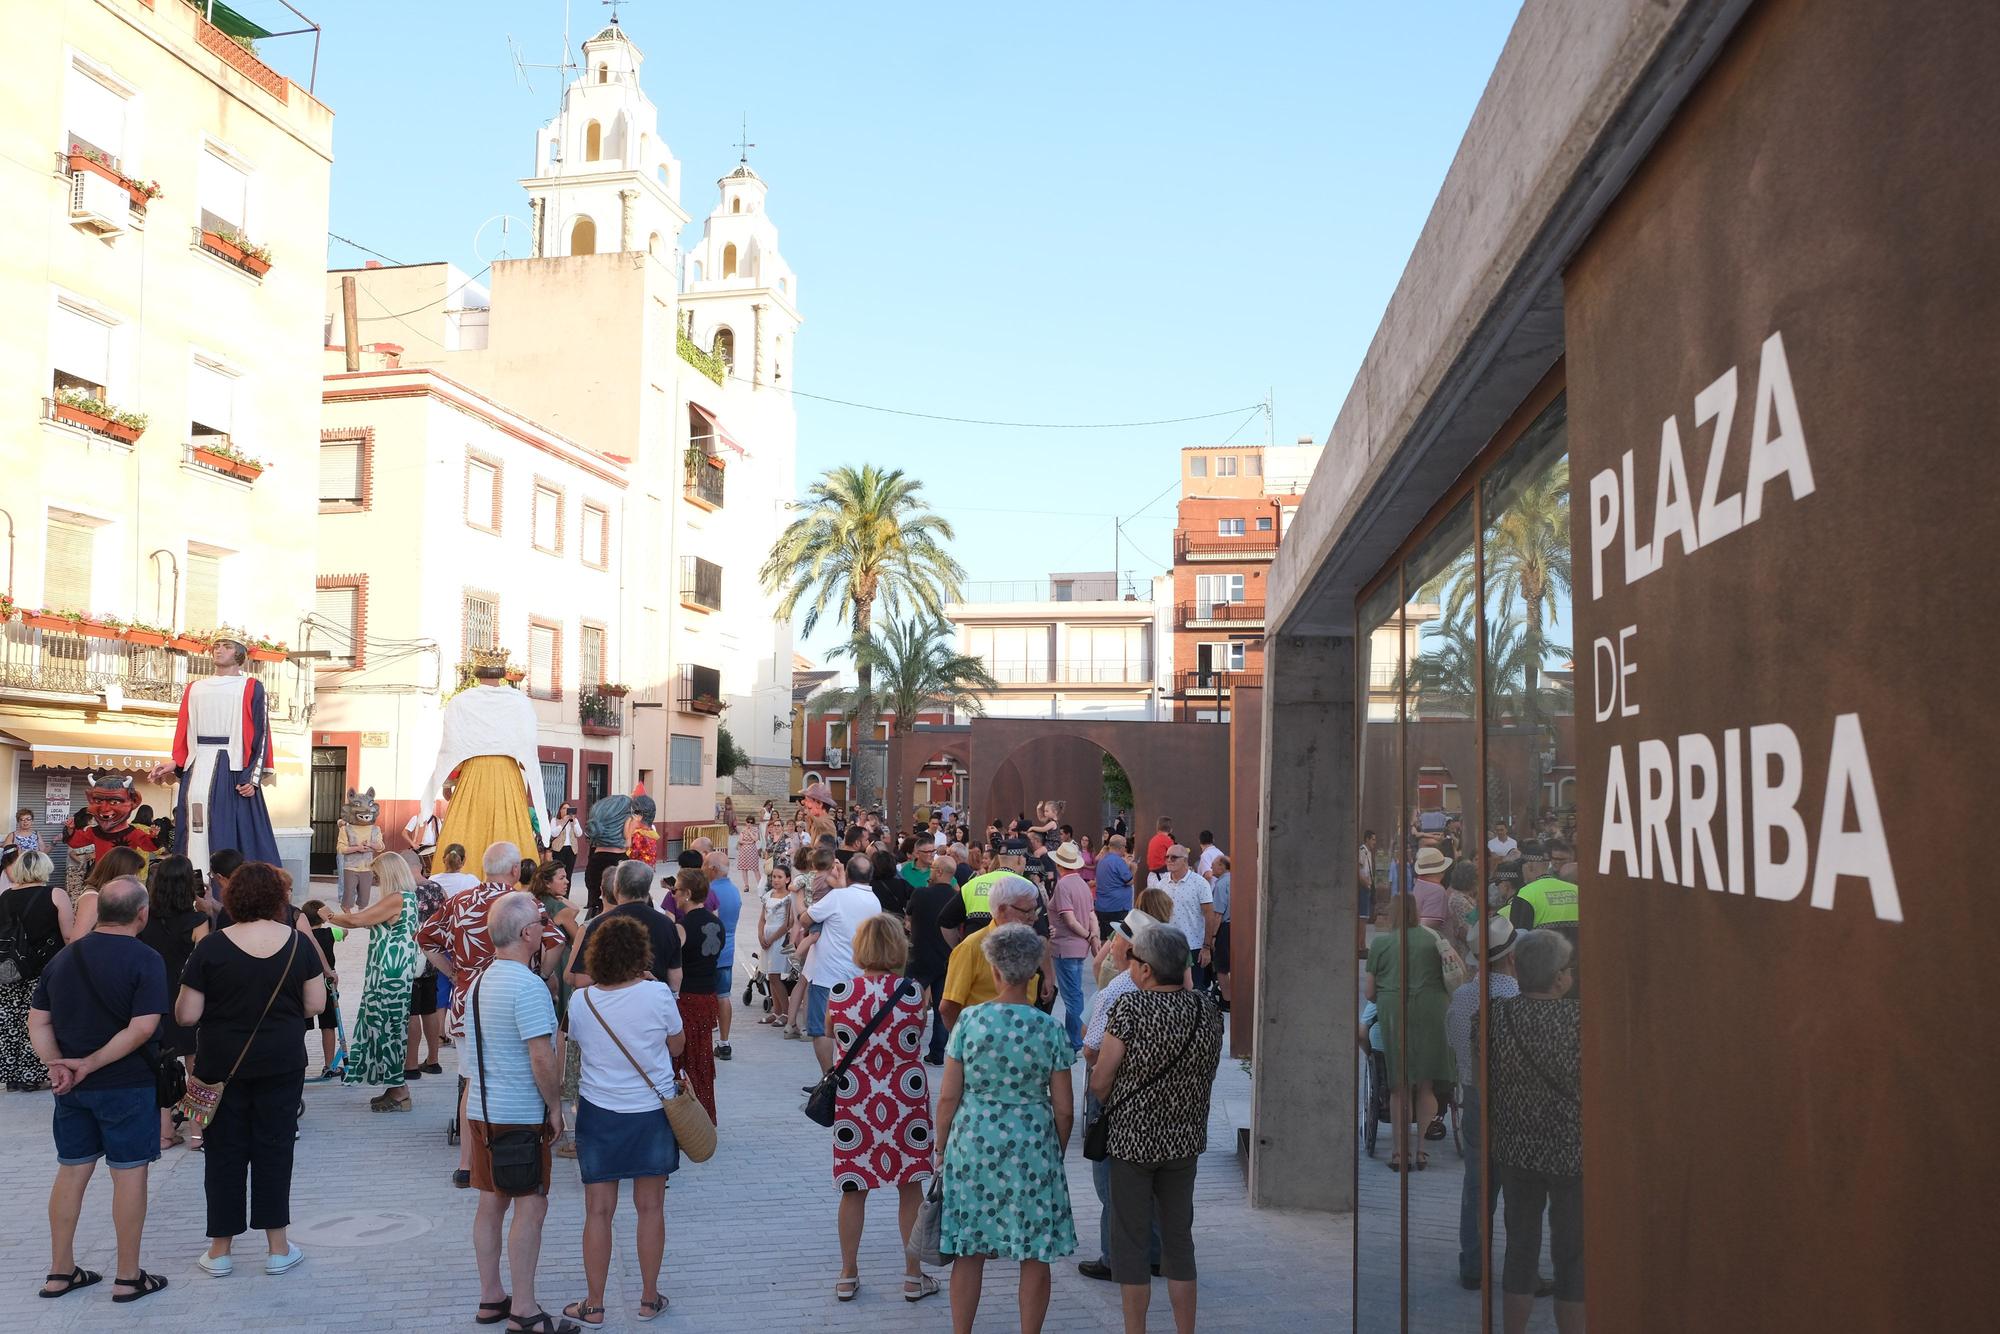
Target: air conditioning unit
98 205
835 756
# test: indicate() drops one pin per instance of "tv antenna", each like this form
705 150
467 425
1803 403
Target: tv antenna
565 66
743 145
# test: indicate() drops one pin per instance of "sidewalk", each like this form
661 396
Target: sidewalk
750 1233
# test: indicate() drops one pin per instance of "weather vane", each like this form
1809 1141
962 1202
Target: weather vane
614 7
743 145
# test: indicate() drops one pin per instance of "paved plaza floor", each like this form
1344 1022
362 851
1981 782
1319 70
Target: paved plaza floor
750 1233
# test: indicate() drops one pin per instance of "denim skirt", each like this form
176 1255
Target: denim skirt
618 1146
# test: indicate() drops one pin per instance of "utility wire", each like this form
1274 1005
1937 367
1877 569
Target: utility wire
986 421
335 236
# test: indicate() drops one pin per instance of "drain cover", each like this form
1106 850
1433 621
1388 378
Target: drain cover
375 1228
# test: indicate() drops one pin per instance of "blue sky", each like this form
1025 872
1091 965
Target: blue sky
1047 212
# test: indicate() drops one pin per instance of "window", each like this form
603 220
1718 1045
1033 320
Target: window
80 347
1108 653
96 114
1064 590
1225 465
590 654
66 568
1223 656
211 400
1210 589
729 261
725 338
596 537
482 492
544 660
735 206
1229 527
836 735
684 761
337 608
593 142
1013 654
204 589
223 188
1197 465
603 76
548 518
482 622
596 783
342 473
1256 468
555 783
1264 524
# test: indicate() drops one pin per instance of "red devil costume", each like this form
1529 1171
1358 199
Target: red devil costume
113 798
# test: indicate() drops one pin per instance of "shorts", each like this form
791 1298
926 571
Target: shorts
329 1018
119 1125
623 1146
482 1157
725 980
1220 955
424 996
816 999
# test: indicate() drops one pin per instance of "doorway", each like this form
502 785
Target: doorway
329 792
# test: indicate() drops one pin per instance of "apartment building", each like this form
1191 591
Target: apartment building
1236 503
164 213
1069 646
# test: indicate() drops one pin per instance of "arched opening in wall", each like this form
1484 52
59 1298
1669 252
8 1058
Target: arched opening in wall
639 162
664 178
729 261
697 271
593 142
1084 785
784 287
583 237
736 206
778 357
725 346
941 778
604 73
653 244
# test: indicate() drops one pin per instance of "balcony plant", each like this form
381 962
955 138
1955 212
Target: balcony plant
80 407
614 689
216 452
192 641
711 364
73 622
266 650
238 249
146 636
6 607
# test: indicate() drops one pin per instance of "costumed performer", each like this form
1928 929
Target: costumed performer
106 822
489 740
222 758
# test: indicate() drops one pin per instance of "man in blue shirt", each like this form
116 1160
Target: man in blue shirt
725 900
1114 886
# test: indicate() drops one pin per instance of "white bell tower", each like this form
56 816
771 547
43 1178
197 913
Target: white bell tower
605 181
737 287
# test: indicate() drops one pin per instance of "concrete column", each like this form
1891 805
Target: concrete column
757 338
628 200
535 207
1302 1107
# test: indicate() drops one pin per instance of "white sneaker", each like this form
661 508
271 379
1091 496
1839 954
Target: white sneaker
216 1266
290 1260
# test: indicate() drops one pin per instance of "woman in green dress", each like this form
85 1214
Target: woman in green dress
1423 1004
550 886
381 1030
1003 1122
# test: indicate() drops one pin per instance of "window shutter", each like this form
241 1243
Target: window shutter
479 506
541 660
336 607
221 186
95 114
66 576
340 472
594 552
211 400
81 346
480 616
548 519
591 654
204 591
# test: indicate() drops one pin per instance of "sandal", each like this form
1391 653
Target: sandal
540 1323
584 1311
77 1277
926 1286
144 1286
651 1310
499 1311
847 1289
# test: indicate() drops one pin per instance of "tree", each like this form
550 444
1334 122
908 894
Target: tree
1117 783
912 666
729 756
862 535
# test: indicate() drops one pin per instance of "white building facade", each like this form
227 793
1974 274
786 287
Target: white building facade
1081 651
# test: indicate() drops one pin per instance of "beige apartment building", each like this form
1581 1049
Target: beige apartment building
163 209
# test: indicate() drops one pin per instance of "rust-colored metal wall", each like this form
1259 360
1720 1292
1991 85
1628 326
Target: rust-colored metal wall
1246 772
1789 1095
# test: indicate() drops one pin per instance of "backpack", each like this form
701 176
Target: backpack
21 958
606 825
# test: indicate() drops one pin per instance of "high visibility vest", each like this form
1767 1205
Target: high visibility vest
976 892
1552 899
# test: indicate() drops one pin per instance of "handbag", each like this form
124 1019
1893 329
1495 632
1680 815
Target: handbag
169 1079
515 1155
686 1117
1455 975
198 1103
927 1233
1097 1135
820 1102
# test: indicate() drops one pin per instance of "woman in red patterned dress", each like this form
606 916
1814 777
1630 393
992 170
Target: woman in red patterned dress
882 1114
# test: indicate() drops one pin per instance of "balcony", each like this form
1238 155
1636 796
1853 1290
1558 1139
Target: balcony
699 691
65 666
701 584
1036 672
600 712
1220 615
704 483
1249 546
1200 684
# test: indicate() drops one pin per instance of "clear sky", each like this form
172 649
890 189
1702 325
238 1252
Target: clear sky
1043 212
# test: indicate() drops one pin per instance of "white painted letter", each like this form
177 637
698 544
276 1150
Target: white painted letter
1774 806
1626 708
1603 676
1784 453
1720 516
1639 560
1603 525
1656 803
1732 796
1863 851
1617 833
1673 505
1697 757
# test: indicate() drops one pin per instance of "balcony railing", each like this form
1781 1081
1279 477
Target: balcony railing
56 662
700 691
701 583
704 484
1206 614
1043 672
600 714
1204 683
1250 546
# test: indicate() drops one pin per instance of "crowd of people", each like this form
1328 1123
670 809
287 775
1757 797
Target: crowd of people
947 987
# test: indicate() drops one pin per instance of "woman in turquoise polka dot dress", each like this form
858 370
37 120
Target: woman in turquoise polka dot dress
1003 1122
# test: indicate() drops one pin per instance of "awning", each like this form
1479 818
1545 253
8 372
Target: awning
88 747
717 437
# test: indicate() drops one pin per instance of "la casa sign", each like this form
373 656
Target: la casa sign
1722 811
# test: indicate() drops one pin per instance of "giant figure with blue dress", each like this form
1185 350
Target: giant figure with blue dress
222 758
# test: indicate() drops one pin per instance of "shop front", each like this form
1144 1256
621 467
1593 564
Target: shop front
1634 622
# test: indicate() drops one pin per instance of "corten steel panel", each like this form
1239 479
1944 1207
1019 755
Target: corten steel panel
1788 1108
1246 772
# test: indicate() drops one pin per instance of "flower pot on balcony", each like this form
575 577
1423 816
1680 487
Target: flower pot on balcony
260 267
79 162
515 676
266 654
614 690
145 638
41 620
222 246
189 644
222 463
89 421
120 431
99 629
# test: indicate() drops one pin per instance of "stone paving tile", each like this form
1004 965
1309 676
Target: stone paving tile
750 1233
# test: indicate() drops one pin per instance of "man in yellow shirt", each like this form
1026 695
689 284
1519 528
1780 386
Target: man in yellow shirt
968 979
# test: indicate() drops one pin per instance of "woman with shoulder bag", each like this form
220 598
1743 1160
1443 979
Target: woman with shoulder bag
247 992
35 920
174 926
1406 948
629 1033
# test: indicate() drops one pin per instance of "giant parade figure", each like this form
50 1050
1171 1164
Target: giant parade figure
104 824
489 741
222 758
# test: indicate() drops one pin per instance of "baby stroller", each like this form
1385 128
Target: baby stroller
759 983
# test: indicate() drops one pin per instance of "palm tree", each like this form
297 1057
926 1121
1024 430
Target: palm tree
918 669
862 534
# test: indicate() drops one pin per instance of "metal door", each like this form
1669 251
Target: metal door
329 791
